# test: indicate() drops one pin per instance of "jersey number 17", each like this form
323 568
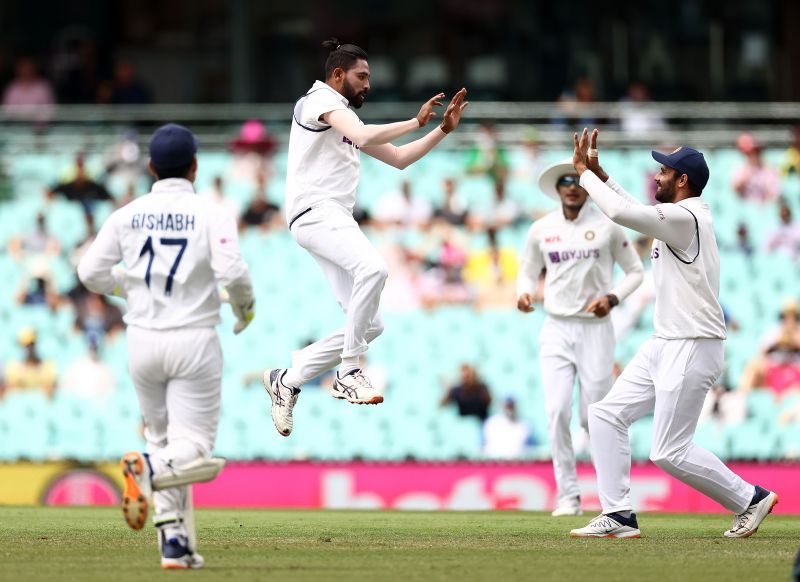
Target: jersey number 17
148 249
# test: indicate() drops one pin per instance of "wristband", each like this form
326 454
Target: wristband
613 300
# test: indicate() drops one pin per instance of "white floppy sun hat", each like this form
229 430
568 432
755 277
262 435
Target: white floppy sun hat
551 174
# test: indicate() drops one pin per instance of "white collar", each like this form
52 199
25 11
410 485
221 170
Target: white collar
322 85
173 185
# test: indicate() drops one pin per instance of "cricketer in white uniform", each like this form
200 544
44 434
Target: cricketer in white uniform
577 246
175 247
325 144
671 373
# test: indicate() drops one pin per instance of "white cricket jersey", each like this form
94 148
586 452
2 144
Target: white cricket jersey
684 255
175 246
579 257
323 165
687 282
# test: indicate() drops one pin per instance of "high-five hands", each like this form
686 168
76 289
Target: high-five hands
586 156
580 155
426 112
452 115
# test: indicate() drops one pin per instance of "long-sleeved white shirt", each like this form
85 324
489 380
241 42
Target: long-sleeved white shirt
175 246
579 257
685 258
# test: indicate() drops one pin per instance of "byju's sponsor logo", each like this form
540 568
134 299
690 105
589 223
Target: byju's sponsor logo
573 255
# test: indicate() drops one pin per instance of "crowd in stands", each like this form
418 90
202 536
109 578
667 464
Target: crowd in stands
429 245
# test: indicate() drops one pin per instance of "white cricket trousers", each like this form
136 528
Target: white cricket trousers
178 375
356 273
570 347
669 378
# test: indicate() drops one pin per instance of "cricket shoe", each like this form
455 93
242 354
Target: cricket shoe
138 488
356 388
176 555
611 525
746 523
283 399
568 506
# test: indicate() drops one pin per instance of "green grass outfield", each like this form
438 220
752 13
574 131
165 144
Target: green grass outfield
95 544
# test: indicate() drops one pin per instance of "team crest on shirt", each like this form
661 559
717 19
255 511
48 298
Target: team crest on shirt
589 235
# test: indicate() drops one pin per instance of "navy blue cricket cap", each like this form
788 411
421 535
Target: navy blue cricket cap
686 161
172 146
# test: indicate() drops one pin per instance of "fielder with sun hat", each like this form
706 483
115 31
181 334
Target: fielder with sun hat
576 246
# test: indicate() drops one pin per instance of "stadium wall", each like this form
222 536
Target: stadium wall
405 486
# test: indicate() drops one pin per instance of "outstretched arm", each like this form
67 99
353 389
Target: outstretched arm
670 223
347 123
403 156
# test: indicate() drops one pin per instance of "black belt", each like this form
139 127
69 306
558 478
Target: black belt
292 221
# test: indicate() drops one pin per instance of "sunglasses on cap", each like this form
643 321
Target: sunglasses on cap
568 181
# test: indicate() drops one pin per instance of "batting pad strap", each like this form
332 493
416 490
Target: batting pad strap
198 471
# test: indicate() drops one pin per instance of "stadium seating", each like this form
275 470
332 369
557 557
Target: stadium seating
420 350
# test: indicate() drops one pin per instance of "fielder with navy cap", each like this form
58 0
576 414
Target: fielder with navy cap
671 373
175 246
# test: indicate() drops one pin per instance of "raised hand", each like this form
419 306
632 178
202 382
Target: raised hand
580 155
426 113
593 157
452 116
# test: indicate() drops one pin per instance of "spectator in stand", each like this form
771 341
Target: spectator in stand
487 157
470 395
791 158
216 195
97 318
89 377
28 96
402 209
777 367
443 283
755 181
260 211
36 285
505 436
573 103
37 243
30 373
743 244
785 240
493 274
125 87
252 152
723 405
638 115
501 211
453 210
81 188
